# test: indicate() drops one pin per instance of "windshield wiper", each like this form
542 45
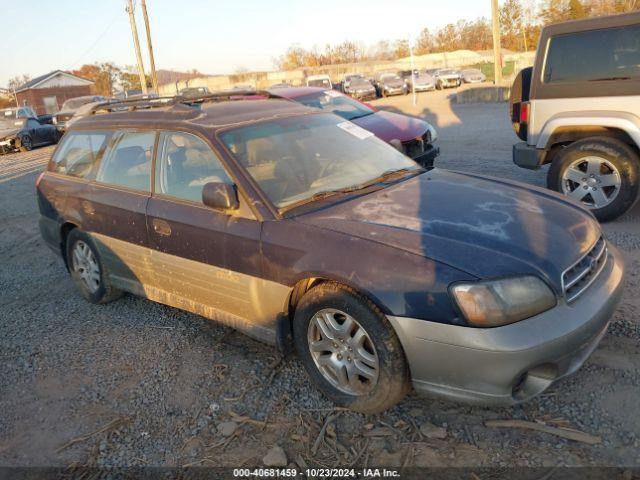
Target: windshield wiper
384 177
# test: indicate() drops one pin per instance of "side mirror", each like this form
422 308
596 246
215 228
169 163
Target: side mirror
220 195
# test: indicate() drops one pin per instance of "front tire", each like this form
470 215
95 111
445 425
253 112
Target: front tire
350 349
87 269
26 144
600 172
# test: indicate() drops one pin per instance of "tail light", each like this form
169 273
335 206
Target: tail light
39 179
524 112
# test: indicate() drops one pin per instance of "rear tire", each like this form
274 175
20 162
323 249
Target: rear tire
600 172
87 269
367 344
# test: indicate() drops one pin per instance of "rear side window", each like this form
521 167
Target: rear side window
596 55
127 163
185 165
78 156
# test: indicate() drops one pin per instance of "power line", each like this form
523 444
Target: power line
96 41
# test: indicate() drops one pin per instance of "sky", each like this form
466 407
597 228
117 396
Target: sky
214 36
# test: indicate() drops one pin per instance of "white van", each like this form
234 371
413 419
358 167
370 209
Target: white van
322 81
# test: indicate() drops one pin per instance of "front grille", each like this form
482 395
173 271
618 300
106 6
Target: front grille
577 278
416 147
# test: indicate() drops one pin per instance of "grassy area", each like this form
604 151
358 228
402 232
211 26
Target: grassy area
487 69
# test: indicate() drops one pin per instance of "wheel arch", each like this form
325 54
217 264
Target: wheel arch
65 229
307 282
561 131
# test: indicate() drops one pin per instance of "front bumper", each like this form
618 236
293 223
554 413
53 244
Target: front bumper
394 91
427 158
529 157
364 95
424 88
511 364
450 82
7 146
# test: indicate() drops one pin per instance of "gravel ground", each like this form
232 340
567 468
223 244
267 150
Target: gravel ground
138 383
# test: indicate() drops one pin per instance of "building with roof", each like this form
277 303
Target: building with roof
46 93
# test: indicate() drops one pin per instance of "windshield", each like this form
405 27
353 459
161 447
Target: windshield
447 72
296 158
359 81
472 72
337 103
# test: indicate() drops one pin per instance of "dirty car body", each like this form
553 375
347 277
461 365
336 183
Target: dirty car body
424 246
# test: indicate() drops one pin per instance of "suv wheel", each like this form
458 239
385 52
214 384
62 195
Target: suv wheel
601 173
349 349
87 270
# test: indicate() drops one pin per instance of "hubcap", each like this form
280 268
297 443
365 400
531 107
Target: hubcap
594 181
85 265
343 352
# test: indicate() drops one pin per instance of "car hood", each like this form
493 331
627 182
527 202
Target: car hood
8 132
484 226
389 126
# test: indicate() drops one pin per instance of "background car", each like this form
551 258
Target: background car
323 81
357 86
194 92
473 75
412 136
447 78
71 107
20 133
390 84
420 81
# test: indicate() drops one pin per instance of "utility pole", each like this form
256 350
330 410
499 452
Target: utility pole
154 76
497 50
136 44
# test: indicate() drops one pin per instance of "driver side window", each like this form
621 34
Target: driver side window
185 165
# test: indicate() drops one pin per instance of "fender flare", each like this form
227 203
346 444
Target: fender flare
622 121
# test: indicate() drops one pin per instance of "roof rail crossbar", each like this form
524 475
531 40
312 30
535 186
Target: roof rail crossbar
134 104
224 95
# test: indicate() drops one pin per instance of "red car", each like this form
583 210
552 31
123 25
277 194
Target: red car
412 136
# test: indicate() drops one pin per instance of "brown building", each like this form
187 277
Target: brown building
47 93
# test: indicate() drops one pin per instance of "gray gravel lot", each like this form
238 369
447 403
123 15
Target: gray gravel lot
138 383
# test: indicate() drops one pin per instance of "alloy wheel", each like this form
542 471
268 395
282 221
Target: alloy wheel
86 266
343 352
592 180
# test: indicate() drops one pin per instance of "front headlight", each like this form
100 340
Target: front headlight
499 302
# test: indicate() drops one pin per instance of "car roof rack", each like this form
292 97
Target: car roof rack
224 95
168 101
133 104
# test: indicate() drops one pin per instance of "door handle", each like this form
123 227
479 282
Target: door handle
161 227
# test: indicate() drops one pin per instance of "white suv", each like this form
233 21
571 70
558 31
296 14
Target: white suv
578 109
